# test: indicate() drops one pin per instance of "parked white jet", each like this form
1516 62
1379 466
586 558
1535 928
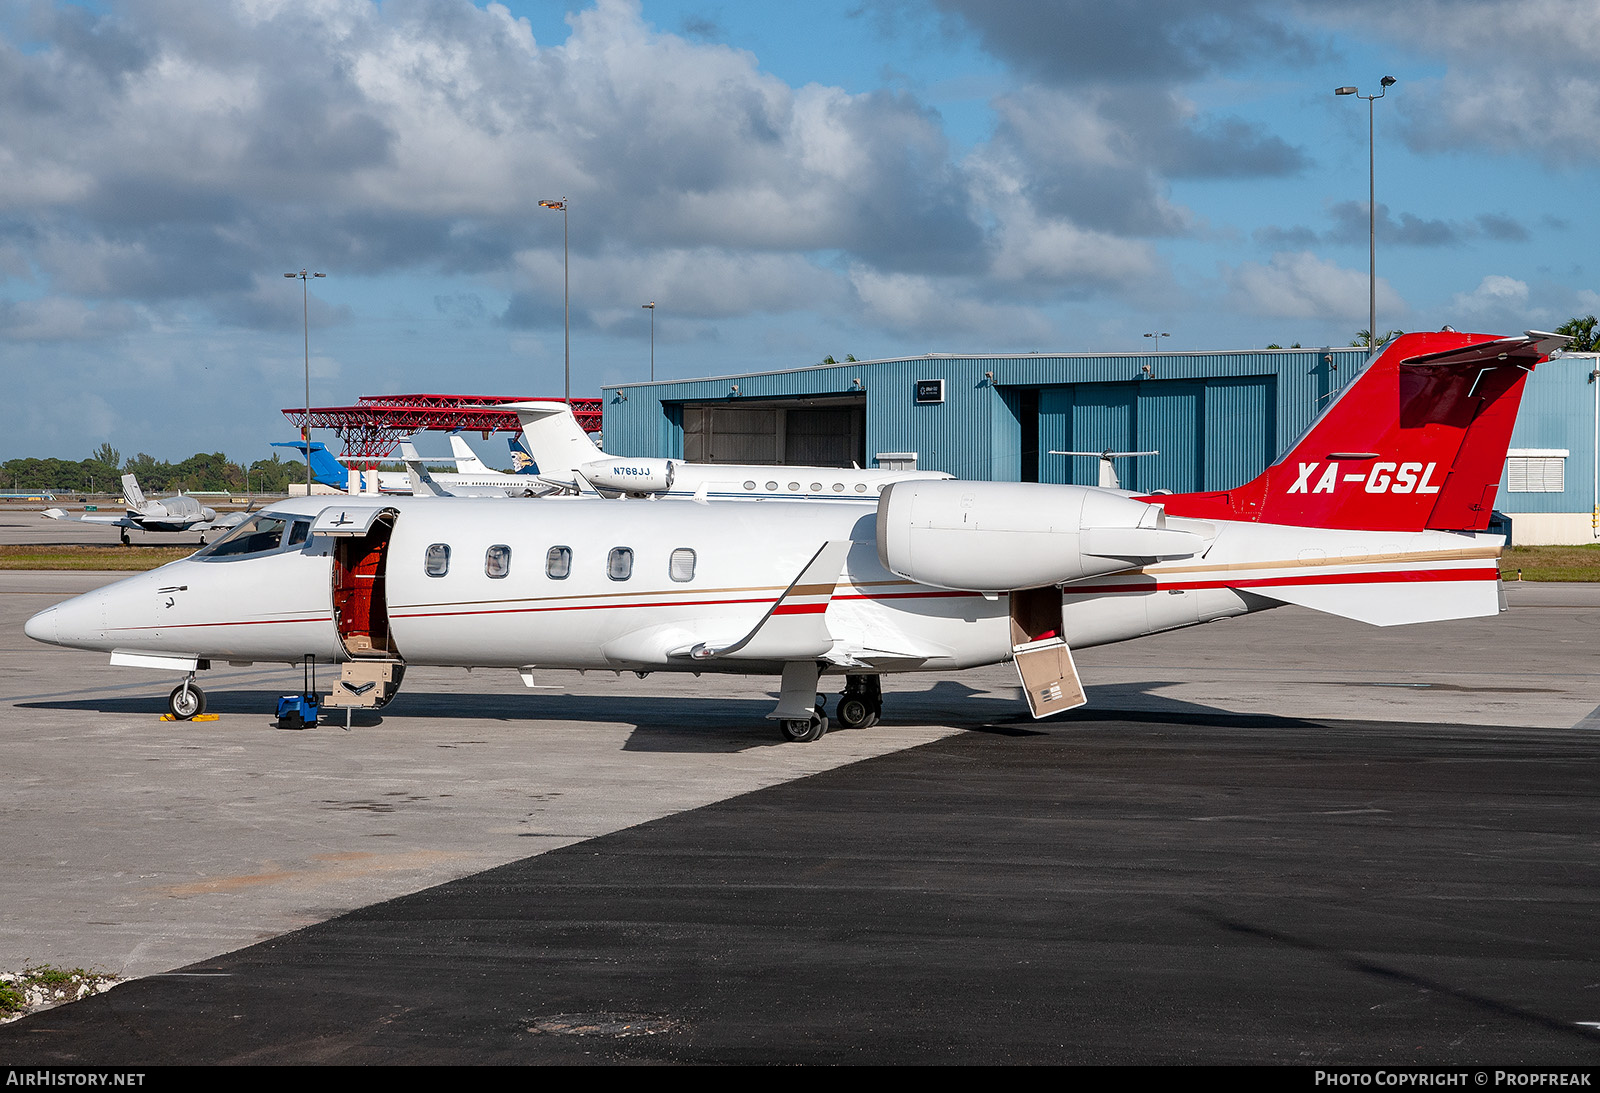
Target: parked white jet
178 513
484 483
568 458
471 478
1376 514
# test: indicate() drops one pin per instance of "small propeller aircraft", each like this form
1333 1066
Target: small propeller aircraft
1377 513
178 513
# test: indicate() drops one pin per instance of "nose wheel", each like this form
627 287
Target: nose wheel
186 701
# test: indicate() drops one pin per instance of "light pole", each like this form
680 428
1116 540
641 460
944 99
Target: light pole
1157 335
566 293
651 308
1372 208
305 318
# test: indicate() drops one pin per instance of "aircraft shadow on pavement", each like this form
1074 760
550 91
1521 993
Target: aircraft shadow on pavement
1111 703
713 723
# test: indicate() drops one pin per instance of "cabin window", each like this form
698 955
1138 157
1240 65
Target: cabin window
772 485
619 564
749 485
681 566
497 561
436 560
816 487
558 563
861 487
838 487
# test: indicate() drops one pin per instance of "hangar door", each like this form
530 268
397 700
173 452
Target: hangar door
804 432
1212 434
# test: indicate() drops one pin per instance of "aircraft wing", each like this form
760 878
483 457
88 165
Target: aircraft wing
226 520
92 518
906 656
795 627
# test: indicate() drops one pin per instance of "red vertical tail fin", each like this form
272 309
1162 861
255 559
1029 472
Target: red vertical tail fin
1416 441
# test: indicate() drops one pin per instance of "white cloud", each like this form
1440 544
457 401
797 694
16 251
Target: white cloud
1299 285
923 305
59 318
1519 75
1498 303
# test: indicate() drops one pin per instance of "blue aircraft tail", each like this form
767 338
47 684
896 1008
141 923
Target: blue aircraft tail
521 461
324 467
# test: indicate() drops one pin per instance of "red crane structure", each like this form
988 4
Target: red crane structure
375 425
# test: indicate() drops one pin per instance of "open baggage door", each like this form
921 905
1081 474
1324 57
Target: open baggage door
1044 662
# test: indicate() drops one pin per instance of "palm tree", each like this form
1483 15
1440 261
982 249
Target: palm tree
1585 338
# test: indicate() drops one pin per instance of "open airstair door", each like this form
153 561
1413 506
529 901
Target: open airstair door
1049 677
372 675
360 536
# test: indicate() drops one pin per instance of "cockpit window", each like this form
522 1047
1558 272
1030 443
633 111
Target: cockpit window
257 535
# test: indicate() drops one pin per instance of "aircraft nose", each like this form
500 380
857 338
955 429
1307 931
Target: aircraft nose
77 623
42 627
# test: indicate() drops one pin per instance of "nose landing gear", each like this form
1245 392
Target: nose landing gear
187 700
804 732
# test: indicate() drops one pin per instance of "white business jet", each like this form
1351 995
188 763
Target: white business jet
568 458
1376 514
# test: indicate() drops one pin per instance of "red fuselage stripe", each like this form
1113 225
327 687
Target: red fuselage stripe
230 622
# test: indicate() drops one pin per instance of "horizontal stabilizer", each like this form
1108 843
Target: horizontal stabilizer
1466 594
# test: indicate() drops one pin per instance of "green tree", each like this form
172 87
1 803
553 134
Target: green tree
273 475
1364 338
1585 338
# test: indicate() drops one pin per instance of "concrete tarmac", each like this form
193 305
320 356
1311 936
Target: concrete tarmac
1280 838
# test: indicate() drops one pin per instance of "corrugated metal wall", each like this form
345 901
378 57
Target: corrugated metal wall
1558 411
1217 418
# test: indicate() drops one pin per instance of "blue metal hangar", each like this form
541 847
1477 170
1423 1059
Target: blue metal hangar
1216 419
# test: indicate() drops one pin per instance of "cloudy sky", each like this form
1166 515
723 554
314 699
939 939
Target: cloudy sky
786 181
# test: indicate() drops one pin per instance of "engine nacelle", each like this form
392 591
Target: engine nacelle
1001 536
630 475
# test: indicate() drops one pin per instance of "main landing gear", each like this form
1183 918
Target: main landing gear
861 704
859 707
187 700
125 540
